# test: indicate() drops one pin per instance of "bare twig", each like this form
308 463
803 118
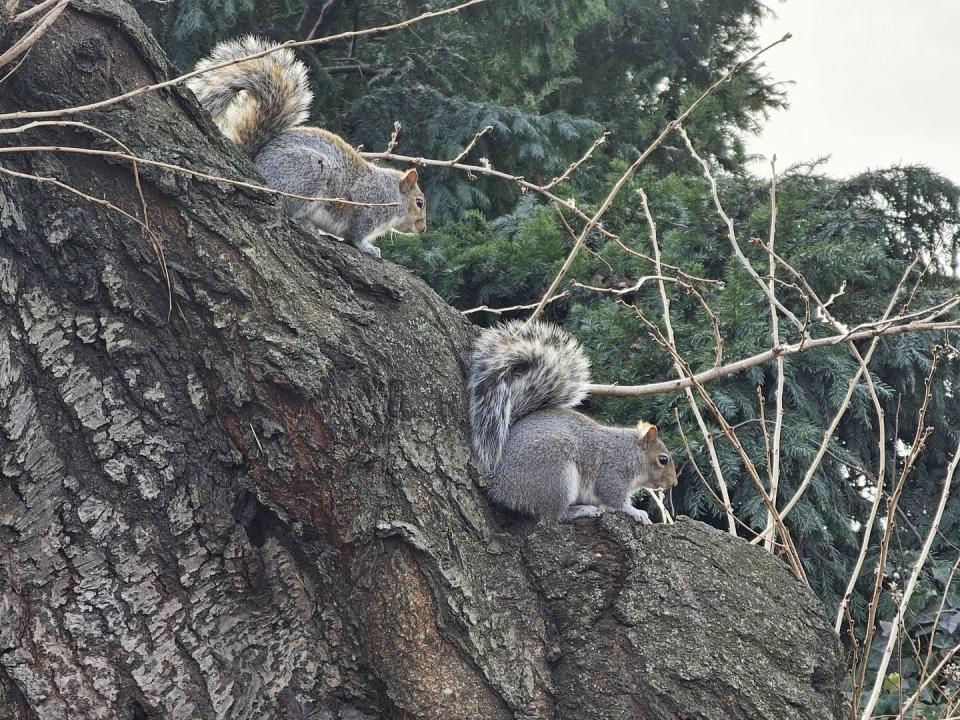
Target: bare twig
30 12
501 311
394 136
154 240
862 360
574 165
916 447
470 145
657 496
774 466
699 472
732 237
766 356
792 556
487 170
665 308
35 33
881 670
12 70
25 115
927 680
615 190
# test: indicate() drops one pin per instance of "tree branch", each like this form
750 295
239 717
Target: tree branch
766 356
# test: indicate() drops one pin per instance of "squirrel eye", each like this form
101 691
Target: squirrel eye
419 202
663 459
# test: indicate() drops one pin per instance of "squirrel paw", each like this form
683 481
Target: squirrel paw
639 515
370 249
578 511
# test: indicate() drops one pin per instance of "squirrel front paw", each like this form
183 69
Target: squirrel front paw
369 249
639 515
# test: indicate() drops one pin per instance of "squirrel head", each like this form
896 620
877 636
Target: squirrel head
414 209
662 473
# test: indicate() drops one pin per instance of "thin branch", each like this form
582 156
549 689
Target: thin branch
470 145
774 467
35 33
920 437
881 670
674 268
863 370
30 12
487 170
790 550
657 496
17 66
154 240
574 165
699 472
608 201
929 678
732 236
324 17
356 67
501 311
394 136
665 305
767 356
24 115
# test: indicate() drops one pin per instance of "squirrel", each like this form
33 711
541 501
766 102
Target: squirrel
543 458
261 105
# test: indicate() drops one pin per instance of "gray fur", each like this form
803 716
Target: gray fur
277 95
519 369
304 161
543 458
261 104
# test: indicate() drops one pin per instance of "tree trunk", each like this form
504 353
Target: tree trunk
263 506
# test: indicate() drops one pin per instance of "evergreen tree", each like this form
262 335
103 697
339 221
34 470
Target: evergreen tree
549 77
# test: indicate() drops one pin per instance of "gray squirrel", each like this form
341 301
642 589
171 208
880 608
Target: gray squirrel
543 458
261 105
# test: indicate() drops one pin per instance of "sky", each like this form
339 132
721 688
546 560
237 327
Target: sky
876 83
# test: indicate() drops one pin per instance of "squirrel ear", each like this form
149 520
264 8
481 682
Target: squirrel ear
408 180
648 432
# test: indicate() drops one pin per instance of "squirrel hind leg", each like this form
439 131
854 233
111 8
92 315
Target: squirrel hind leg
578 511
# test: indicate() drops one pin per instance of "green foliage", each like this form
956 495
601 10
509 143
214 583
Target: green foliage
933 627
549 76
474 262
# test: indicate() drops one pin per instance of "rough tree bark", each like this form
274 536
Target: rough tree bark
264 506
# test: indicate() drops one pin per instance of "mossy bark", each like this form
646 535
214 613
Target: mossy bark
260 504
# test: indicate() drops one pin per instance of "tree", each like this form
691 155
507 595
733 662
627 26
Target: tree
236 480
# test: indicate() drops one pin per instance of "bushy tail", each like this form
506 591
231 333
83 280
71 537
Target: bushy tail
518 369
277 93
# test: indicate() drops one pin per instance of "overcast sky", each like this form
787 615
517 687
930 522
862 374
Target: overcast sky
876 82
